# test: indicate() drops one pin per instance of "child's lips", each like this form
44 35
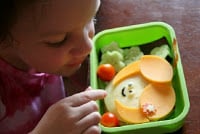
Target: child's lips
75 62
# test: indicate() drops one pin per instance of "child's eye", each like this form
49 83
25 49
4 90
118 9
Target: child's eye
58 43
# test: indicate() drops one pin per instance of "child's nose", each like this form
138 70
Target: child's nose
82 46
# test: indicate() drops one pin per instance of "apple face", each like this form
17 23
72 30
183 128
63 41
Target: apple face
127 92
142 91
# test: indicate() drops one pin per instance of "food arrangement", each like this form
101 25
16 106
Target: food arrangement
152 38
138 84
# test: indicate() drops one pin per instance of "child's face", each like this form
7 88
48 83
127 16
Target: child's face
55 36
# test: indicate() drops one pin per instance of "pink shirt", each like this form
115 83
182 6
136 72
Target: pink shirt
25 97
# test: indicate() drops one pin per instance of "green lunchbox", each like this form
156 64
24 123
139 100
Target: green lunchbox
142 35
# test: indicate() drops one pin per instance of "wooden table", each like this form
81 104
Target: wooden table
184 17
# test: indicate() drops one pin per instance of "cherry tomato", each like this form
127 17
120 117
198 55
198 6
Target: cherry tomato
108 119
106 72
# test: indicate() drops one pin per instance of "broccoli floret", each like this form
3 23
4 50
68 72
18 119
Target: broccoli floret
111 47
132 54
162 51
114 58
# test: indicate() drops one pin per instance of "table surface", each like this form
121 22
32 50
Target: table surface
184 17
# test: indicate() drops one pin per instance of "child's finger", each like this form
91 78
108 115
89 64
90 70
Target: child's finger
89 88
90 120
86 96
95 129
86 109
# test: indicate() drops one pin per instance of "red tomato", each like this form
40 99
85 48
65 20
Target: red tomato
106 72
108 119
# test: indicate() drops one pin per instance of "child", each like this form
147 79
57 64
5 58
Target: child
40 41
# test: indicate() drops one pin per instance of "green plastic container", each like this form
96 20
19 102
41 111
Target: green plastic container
137 35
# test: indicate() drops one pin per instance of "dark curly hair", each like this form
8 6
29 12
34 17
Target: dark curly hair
9 11
7 18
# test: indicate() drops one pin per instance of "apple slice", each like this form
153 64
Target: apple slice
161 97
129 70
156 69
130 114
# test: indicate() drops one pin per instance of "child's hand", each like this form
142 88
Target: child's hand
77 114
